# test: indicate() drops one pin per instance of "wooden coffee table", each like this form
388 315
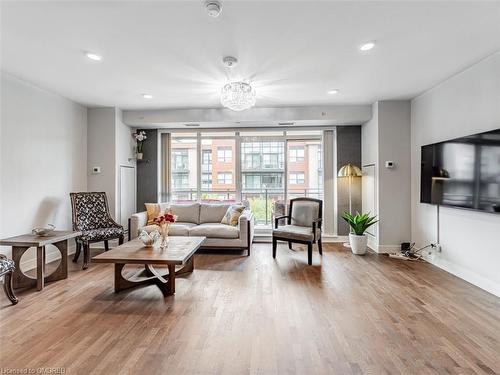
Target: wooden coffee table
179 252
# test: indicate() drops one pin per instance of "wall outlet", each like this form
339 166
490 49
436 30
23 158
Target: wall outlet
96 170
389 164
436 247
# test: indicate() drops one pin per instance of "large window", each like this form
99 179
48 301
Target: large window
264 170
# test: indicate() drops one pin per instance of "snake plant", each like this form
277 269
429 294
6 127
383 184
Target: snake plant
359 223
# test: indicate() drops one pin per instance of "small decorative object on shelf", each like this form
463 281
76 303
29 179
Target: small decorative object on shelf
149 239
42 232
139 139
359 223
164 222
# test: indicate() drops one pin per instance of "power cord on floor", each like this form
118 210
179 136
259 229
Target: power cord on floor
411 253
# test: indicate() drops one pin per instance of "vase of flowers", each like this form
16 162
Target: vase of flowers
139 137
163 223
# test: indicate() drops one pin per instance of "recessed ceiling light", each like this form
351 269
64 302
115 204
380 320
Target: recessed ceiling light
213 8
333 92
93 56
147 96
367 46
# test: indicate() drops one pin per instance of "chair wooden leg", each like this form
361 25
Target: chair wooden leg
86 255
290 245
120 240
320 247
77 252
309 253
275 244
7 286
106 245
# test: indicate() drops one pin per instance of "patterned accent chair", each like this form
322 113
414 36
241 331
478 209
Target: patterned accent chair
303 225
6 269
91 216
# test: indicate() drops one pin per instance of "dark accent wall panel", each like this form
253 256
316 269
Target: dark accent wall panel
348 151
147 171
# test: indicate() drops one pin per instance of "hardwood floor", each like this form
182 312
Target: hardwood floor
234 314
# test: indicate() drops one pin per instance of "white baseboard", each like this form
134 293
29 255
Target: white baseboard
471 277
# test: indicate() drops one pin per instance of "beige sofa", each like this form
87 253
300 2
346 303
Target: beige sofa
202 219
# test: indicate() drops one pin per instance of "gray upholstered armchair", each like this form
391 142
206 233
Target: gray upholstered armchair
303 225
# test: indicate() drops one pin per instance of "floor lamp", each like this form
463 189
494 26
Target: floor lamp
349 170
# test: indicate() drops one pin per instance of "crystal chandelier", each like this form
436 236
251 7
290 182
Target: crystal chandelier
237 96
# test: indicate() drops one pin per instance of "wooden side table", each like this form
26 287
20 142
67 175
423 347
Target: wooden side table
23 242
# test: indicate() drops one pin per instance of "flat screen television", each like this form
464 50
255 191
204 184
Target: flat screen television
463 172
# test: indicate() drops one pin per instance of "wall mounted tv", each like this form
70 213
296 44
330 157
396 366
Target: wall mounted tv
463 172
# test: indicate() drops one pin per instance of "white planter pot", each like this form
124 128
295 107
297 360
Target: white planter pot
139 155
358 243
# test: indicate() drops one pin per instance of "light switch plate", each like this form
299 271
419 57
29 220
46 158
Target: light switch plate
96 170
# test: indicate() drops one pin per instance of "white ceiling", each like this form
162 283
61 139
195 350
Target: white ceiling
293 52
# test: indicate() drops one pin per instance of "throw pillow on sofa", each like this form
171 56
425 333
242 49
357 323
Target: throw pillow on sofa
153 210
232 215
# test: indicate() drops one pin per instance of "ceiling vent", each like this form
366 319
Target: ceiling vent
213 8
191 124
286 123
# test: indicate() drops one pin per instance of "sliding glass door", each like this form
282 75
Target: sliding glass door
184 167
262 174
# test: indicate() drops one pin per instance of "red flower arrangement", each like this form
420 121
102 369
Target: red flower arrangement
166 218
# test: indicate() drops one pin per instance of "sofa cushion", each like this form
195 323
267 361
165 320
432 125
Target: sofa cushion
296 232
212 213
176 229
101 234
215 230
186 212
180 229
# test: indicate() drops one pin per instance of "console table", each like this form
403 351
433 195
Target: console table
23 242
